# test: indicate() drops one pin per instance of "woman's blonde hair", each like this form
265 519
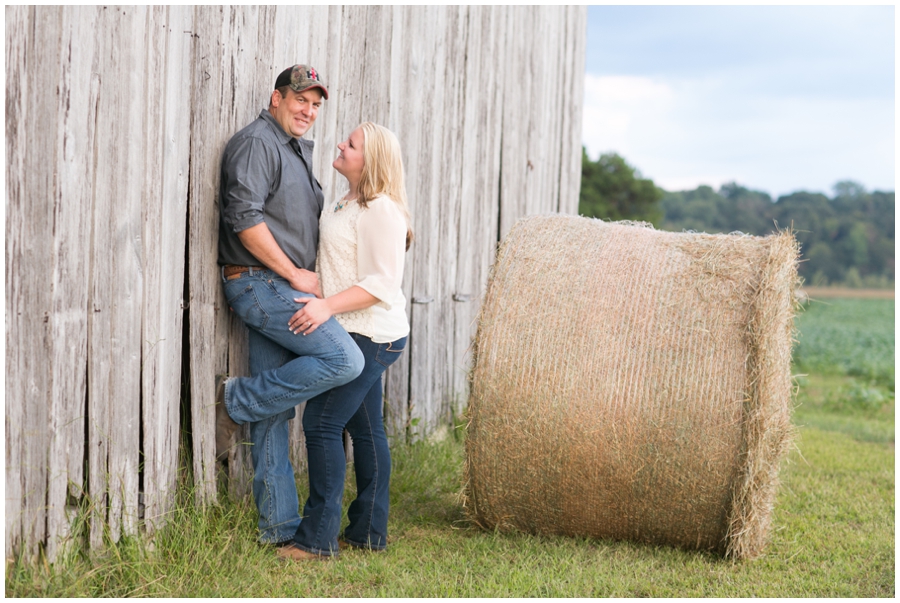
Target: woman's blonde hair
382 172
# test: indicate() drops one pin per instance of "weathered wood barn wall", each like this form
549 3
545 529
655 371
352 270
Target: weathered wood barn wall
116 118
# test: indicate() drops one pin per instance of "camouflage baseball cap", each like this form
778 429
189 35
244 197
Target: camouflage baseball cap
300 78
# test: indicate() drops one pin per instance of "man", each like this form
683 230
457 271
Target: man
268 234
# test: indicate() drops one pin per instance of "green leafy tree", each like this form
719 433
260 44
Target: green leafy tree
848 189
747 210
613 190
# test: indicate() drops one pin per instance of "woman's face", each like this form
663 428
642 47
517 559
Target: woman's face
350 160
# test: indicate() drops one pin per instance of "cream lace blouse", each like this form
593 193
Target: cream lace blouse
366 247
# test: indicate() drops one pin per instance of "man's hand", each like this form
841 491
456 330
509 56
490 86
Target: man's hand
306 282
259 241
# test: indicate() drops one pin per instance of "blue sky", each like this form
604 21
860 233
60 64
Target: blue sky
776 98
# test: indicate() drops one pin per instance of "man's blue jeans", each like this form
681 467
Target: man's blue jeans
286 369
356 406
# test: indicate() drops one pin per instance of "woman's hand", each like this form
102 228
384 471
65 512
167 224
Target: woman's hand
308 318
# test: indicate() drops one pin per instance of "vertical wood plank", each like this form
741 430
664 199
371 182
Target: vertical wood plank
546 118
376 100
573 101
120 179
512 81
17 23
396 378
71 223
29 193
100 300
424 87
449 392
167 128
479 178
206 315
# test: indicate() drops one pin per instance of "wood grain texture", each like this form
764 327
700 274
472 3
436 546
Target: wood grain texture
457 94
118 188
403 67
424 87
479 175
100 298
206 316
70 250
164 204
28 298
16 299
572 103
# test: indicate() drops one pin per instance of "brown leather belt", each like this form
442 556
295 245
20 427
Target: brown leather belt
230 271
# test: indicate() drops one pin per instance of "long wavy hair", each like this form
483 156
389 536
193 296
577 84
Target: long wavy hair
382 172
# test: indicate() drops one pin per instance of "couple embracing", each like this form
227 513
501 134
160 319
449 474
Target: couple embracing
318 286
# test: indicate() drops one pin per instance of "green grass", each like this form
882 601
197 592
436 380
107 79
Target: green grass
832 536
847 405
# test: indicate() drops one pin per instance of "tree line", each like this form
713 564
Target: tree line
846 239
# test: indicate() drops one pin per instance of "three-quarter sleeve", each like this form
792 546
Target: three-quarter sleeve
381 249
249 169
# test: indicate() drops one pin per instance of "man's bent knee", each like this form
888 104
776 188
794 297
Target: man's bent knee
355 362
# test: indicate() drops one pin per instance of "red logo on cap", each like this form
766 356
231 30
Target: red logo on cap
311 74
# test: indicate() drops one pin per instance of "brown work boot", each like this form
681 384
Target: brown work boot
225 426
292 551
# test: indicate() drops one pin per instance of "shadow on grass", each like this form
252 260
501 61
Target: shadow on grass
426 483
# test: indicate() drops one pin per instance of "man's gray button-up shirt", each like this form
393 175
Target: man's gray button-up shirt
266 178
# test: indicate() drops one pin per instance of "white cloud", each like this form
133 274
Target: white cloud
615 106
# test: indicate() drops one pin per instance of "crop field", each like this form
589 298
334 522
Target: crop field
832 534
852 337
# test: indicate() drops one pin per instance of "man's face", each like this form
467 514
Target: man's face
297 111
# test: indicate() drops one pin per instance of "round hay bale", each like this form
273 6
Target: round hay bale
630 383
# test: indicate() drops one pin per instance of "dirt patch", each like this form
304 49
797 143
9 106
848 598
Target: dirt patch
825 292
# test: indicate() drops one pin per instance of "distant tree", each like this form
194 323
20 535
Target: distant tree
848 189
747 210
820 267
807 214
732 208
613 190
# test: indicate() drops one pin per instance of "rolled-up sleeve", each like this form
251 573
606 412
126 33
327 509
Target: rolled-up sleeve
249 169
381 249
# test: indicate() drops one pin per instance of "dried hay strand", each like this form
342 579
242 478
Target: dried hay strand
630 383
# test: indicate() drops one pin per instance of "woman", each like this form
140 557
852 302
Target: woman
362 243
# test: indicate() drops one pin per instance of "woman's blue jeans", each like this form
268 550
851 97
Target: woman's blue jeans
286 369
356 406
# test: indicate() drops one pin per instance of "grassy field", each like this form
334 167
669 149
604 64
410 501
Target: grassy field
833 530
